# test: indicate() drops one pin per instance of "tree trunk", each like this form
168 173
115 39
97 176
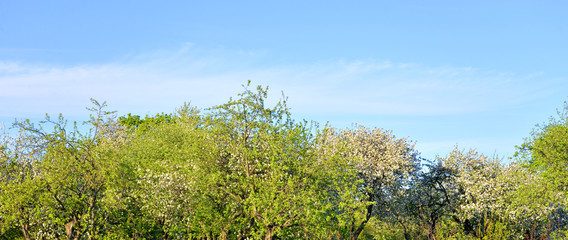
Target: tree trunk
25 230
92 216
406 234
269 233
223 235
355 234
432 231
69 229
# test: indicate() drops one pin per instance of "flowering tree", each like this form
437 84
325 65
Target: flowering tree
385 167
491 200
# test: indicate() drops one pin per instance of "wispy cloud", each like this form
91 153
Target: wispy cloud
163 80
440 105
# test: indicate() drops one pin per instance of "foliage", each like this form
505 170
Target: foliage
21 185
62 178
247 170
545 151
135 122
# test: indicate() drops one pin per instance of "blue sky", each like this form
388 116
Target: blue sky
479 74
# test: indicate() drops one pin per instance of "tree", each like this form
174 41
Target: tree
135 122
74 170
263 166
533 207
385 167
486 199
21 185
238 170
164 161
546 150
544 155
435 195
483 185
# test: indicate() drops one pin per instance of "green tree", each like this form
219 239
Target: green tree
263 166
544 155
166 165
546 150
21 186
74 169
237 170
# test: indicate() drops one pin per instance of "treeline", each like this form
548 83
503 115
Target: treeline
245 170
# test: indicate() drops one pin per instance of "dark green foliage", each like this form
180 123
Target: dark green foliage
135 122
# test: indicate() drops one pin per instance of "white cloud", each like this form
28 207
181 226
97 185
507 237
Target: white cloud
163 80
341 91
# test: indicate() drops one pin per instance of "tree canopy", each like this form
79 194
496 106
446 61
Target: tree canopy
248 170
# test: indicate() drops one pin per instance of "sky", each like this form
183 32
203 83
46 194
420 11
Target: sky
472 74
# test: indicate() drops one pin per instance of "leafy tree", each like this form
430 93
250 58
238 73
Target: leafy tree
162 159
546 150
435 196
21 185
337 185
544 155
238 170
262 166
74 169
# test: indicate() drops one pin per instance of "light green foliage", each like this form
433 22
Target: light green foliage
544 159
162 160
545 151
339 204
246 170
63 175
535 208
263 167
237 170
20 186
135 122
